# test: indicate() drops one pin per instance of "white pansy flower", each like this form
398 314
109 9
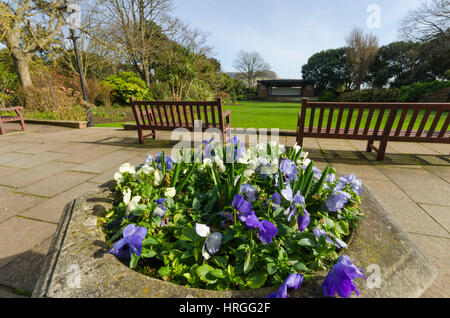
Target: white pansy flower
207 162
218 160
126 196
252 165
281 149
158 177
146 170
127 167
202 230
132 205
297 148
248 173
304 155
170 192
159 212
118 177
222 168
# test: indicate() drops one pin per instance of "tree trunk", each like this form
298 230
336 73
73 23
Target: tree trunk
22 66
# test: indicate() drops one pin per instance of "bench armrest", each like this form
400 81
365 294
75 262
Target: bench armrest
11 109
227 113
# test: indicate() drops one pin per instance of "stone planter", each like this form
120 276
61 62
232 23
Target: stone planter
77 264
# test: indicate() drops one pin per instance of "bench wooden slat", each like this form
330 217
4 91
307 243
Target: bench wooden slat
445 126
423 123
437 117
19 118
383 130
167 115
358 120
412 122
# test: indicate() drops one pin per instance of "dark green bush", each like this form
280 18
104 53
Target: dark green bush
416 91
328 96
371 95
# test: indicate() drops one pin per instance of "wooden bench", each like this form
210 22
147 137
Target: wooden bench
170 115
5 119
383 122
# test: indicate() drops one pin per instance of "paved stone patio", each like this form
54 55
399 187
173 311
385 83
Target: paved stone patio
46 167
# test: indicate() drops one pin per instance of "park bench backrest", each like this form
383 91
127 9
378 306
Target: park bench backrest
11 118
169 115
416 122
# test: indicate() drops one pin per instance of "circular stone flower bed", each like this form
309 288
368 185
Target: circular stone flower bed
233 218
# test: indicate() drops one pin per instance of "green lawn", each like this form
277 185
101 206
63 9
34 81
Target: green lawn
260 114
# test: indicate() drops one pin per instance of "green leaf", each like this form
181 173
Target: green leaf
203 272
248 264
134 260
221 261
164 271
271 268
150 241
256 280
217 273
188 234
146 253
300 267
342 227
306 242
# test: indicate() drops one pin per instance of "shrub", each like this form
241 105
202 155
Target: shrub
126 85
328 96
371 95
414 92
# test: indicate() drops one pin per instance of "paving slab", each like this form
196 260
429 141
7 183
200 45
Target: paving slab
106 162
443 149
55 184
8 170
11 157
439 171
87 152
8 292
421 185
440 213
6 147
437 250
24 271
411 148
51 209
404 210
33 160
12 203
362 171
19 235
27 176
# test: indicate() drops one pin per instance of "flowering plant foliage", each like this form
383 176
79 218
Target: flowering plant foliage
236 219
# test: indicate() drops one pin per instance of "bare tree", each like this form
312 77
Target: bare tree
27 26
361 52
136 28
250 66
430 20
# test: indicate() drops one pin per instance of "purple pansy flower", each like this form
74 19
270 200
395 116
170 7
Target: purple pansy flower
242 206
303 221
337 201
289 169
339 279
148 160
275 199
352 181
249 192
160 209
131 242
293 281
267 231
169 161
252 221
335 241
293 200
317 173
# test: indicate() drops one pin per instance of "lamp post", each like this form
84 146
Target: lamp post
71 13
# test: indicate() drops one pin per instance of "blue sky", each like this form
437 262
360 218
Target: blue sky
287 32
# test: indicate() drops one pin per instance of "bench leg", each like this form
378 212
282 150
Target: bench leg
140 136
381 151
369 144
2 131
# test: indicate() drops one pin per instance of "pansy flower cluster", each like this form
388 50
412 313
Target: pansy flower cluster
229 217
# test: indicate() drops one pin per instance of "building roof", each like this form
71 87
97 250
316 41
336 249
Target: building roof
286 83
